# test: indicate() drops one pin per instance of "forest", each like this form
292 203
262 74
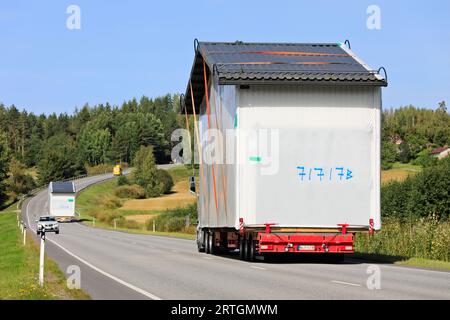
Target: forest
59 146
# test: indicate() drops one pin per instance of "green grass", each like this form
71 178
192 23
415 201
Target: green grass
406 166
19 267
402 261
425 263
92 202
181 173
423 239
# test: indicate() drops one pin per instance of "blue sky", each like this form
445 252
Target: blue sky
134 48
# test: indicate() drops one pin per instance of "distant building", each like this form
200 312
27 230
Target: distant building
441 152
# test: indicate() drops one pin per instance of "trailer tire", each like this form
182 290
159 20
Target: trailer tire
207 242
242 248
251 249
201 242
211 238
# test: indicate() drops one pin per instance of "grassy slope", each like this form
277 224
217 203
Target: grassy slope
19 267
399 172
90 200
412 262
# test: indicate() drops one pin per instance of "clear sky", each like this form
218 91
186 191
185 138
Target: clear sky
133 48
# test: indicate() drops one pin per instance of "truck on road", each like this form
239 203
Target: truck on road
61 200
295 130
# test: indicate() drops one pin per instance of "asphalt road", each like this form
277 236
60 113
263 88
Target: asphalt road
118 265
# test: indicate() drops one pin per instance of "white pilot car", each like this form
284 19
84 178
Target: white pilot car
47 224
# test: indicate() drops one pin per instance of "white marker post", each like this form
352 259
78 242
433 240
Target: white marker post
154 227
41 260
93 221
115 224
25 236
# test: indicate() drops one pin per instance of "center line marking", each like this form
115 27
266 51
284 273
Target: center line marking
259 268
346 283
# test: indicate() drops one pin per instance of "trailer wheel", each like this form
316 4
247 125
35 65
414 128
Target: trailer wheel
207 242
243 248
212 248
250 249
201 242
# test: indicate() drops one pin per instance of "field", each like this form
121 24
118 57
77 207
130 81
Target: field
180 197
109 211
399 172
19 267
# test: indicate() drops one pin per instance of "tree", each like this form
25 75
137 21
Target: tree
19 181
405 153
4 160
146 172
94 144
388 154
60 160
442 106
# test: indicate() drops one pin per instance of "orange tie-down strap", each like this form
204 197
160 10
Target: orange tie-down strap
279 62
208 112
285 53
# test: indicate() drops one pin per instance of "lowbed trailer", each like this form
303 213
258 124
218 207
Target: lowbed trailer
288 140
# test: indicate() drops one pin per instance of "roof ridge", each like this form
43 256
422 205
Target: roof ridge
272 43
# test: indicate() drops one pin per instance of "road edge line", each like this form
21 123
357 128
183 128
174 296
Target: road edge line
122 282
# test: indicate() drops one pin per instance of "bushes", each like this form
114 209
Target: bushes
424 159
131 192
110 202
174 220
165 179
426 238
122 181
99 169
422 195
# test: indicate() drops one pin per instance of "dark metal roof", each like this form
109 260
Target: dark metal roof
62 187
277 63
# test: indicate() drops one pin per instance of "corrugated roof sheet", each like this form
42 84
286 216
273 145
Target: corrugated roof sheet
62 187
278 63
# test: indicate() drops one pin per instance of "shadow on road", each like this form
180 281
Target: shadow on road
306 258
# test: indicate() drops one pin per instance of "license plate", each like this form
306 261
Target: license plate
306 247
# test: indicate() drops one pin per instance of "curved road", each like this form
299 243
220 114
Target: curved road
118 265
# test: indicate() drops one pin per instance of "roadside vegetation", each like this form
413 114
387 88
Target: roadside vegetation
19 267
125 204
415 217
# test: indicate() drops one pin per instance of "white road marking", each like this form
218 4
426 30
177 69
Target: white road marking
259 268
346 283
208 258
122 282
